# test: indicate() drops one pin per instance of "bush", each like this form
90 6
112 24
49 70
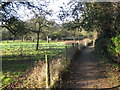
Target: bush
101 46
114 48
108 47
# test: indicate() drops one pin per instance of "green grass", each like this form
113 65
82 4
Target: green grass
17 57
18 42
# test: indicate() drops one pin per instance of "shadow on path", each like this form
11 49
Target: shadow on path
85 72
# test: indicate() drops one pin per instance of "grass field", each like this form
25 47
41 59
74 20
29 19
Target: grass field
18 57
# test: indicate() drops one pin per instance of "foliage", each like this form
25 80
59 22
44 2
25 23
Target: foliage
107 22
13 20
100 17
6 35
114 47
16 27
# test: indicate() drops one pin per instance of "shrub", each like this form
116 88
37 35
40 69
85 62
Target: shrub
114 47
100 46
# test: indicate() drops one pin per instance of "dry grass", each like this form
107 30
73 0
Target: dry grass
36 78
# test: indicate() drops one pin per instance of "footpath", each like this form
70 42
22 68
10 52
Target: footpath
87 72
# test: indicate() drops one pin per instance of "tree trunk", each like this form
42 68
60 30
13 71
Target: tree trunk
74 35
22 38
32 39
7 40
13 39
37 41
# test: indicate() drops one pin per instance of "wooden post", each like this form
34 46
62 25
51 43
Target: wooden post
77 45
73 46
47 71
85 43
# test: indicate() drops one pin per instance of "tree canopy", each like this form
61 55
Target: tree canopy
15 11
96 16
90 16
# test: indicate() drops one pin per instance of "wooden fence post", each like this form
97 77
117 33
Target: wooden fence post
47 71
85 43
73 46
77 45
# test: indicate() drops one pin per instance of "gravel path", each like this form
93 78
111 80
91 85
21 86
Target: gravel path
85 72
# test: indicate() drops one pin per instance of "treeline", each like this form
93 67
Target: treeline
105 18
102 17
52 33
99 19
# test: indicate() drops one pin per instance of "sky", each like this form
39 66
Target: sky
24 14
53 5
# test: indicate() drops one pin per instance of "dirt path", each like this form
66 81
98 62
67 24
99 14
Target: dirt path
86 73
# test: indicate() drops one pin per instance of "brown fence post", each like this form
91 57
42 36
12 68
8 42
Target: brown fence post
47 71
73 46
77 45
